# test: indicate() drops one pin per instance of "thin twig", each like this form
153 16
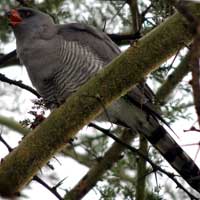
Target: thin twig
3 78
142 15
117 13
6 144
51 189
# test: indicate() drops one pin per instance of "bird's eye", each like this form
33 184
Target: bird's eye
28 14
25 13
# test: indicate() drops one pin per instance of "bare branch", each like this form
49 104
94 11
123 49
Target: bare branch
172 80
3 78
11 124
51 189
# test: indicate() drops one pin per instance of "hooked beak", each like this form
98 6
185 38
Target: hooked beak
14 17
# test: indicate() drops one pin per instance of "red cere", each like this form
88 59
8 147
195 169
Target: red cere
14 17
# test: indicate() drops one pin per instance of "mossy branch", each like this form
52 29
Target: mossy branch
172 80
83 106
15 126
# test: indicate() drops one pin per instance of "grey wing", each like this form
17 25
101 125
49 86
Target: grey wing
96 40
82 53
101 49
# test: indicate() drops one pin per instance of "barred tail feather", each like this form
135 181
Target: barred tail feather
175 155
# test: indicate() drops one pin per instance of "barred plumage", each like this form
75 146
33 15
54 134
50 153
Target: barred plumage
77 64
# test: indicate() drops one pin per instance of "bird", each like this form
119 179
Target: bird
59 58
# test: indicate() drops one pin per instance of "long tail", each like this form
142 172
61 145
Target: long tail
175 155
124 112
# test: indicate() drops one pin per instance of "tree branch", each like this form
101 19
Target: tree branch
136 20
11 124
3 78
141 169
51 189
172 80
194 62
